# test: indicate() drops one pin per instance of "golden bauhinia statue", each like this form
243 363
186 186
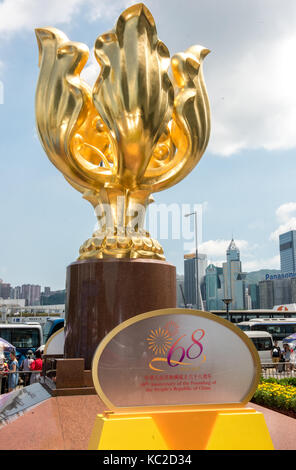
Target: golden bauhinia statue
135 133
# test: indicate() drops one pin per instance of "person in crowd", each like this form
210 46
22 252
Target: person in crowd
13 375
281 364
293 355
287 357
3 374
276 354
36 366
26 367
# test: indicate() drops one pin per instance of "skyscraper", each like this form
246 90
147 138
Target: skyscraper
190 278
234 278
253 291
180 290
276 292
5 290
31 293
214 288
287 242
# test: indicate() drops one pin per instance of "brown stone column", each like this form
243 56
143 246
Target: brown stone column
103 293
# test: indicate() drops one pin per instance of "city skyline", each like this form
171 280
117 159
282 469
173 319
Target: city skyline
215 284
245 179
186 256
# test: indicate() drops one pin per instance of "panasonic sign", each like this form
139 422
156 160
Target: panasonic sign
271 277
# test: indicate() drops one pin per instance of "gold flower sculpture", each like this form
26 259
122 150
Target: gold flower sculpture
136 132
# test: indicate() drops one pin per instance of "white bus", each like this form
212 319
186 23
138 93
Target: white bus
23 336
263 343
279 328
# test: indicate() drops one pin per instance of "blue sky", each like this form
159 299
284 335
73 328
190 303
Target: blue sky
246 178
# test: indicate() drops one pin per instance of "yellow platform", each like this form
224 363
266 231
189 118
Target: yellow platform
198 429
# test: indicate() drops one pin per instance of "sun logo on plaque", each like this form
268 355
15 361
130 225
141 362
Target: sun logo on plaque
172 327
159 341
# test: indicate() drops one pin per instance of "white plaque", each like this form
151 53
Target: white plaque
173 358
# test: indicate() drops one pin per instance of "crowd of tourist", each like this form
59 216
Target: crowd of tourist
284 358
14 372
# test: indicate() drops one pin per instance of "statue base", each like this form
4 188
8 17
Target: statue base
102 293
200 429
71 378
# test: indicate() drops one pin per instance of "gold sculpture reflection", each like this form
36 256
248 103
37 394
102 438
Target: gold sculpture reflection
133 134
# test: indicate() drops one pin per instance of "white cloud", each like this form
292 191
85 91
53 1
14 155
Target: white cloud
99 9
216 254
265 263
91 71
17 15
249 265
253 103
258 106
286 215
285 211
217 248
250 74
290 225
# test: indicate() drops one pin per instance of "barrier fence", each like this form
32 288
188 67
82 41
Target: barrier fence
268 370
279 370
24 378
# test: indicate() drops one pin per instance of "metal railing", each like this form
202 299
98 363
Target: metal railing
24 378
48 373
278 370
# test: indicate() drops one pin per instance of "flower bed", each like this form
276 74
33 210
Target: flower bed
279 395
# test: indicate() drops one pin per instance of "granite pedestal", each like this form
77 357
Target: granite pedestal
104 293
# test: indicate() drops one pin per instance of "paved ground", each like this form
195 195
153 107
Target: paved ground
53 424
59 423
282 428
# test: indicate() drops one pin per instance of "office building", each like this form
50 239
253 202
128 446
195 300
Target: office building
17 292
234 279
253 291
190 283
293 290
287 243
47 291
5 290
248 300
180 291
214 282
277 292
31 293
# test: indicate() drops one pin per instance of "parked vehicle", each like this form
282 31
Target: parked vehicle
24 337
263 342
279 328
52 326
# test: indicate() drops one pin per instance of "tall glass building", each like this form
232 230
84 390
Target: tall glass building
234 278
214 288
190 278
227 282
288 251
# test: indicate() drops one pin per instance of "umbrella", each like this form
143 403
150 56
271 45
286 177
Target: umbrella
41 348
6 346
290 338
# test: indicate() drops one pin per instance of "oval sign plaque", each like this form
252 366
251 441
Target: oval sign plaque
175 358
55 344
